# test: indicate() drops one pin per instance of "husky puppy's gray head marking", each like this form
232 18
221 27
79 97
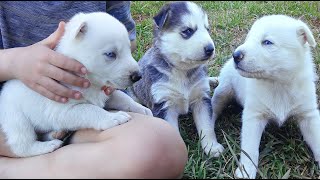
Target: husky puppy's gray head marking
178 54
181 33
169 17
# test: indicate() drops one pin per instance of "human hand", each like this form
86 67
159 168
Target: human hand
40 67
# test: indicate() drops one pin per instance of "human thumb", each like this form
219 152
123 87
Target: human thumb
54 38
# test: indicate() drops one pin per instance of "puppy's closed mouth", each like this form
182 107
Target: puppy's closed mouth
239 68
248 73
206 58
202 60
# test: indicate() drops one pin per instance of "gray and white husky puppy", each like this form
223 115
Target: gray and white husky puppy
174 73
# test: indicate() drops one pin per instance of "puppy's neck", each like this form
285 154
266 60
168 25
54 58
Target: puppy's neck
162 59
93 94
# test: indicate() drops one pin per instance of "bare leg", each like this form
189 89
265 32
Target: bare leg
144 147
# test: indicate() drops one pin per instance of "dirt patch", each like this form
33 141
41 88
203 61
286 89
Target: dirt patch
138 18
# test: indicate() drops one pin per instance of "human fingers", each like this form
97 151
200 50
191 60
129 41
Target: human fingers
66 77
45 92
66 63
58 89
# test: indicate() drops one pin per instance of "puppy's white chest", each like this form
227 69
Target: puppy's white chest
277 103
180 92
175 92
280 110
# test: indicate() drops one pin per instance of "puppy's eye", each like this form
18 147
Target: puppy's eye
187 33
208 29
111 55
267 42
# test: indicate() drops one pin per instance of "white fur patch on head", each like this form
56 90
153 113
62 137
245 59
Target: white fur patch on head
275 44
101 43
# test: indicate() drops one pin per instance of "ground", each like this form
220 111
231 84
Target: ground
283 153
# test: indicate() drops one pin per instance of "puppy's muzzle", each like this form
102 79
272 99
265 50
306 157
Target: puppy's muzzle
135 76
238 56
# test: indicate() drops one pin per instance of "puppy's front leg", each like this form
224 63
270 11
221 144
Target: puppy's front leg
160 110
121 101
252 128
309 127
91 116
172 118
202 111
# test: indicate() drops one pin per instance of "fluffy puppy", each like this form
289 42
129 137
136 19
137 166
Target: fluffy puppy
101 43
174 72
272 76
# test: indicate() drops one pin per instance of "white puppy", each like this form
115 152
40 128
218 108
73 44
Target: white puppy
101 43
272 76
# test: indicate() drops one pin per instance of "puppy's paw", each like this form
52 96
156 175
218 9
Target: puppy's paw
213 149
121 117
142 110
114 119
45 147
148 112
213 82
50 146
28 149
249 172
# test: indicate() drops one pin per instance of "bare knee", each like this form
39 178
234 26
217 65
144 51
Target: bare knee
145 147
160 151
153 150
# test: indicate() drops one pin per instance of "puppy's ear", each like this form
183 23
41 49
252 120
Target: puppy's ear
161 17
305 35
82 30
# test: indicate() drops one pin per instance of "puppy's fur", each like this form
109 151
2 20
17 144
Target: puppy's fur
101 43
174 73
272 76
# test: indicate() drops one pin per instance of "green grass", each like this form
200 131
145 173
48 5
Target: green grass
283 153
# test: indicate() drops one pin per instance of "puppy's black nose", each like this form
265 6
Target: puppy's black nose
208 50
135 76
237 56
